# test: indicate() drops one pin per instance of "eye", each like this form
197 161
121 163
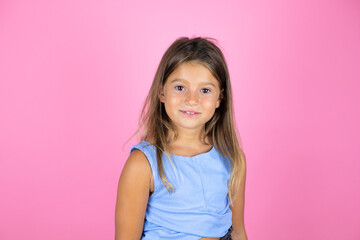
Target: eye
179 88
205 90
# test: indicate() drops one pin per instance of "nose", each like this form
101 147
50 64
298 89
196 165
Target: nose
191 98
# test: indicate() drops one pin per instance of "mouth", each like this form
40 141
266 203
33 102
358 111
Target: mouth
190 113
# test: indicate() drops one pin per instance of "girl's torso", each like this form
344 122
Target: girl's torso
199 206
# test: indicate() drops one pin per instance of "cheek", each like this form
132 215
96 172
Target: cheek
172 103
173 98
209 102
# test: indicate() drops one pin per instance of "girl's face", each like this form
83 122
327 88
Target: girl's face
190 95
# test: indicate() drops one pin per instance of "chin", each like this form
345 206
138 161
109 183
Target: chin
193 127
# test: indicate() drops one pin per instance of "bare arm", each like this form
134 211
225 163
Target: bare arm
132 197
237 209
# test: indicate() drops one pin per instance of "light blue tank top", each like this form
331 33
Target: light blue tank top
199 207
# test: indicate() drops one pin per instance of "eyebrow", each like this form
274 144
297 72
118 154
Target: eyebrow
184 80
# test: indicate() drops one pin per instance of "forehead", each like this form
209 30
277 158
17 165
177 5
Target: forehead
193 72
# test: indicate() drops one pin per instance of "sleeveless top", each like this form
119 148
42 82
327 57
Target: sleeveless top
199 207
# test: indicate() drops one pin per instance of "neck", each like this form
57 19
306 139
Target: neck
188 137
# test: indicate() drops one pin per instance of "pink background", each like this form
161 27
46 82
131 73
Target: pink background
74 75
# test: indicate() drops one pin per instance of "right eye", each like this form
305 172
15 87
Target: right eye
179 88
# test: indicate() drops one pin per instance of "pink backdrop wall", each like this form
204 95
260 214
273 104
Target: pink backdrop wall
74 74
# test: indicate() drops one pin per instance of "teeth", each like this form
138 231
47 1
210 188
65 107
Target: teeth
190 112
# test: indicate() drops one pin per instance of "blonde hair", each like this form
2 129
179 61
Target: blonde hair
220 129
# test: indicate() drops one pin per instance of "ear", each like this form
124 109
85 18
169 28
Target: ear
161 95
221 96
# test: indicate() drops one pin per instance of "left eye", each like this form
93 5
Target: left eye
179 88
205 90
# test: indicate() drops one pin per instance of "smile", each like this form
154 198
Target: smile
190 113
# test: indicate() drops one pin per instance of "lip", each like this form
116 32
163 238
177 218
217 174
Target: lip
193 114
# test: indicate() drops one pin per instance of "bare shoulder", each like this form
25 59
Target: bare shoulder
137 161
136 168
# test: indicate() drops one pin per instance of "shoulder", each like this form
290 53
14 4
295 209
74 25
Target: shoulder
148 149
136 173
144 146
137 163
138 169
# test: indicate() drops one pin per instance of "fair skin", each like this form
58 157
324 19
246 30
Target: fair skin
191 95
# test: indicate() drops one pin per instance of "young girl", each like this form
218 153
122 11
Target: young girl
186 178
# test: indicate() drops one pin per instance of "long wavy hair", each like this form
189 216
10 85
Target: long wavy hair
220 129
